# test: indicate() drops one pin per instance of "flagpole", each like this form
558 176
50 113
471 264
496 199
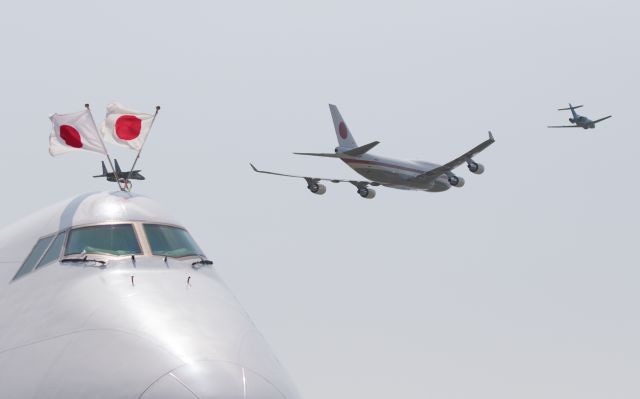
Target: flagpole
115 173
145 141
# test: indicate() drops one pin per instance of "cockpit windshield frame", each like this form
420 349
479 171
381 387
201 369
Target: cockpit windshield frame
140 235
197 254
105 252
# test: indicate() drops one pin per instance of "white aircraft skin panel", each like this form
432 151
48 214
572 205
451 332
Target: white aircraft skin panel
168 387
396 173
79 331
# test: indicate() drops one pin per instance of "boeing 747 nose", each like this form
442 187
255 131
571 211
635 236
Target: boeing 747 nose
107 296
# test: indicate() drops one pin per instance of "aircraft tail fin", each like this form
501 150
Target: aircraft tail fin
345 139
118 170
104 171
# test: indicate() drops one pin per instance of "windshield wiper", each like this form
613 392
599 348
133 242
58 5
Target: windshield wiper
202 261
82 260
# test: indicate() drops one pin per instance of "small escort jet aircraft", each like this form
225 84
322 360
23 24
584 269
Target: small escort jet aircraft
106 295
579 120
122 176
406 175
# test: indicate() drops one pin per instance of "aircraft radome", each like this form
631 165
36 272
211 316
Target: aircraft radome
106 295
382 171
579 120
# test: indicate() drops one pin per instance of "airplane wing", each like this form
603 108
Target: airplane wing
448 167
565 126
357 183
601 119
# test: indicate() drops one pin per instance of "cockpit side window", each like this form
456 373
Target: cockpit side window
34 256
53 253
116 239
171 241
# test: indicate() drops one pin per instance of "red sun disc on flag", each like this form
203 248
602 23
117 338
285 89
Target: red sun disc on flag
342 129
70 136
128 127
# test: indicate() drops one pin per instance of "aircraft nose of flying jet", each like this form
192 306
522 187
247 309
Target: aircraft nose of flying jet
211 379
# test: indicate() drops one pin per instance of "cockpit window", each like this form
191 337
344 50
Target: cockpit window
171 241
53 253
34 256
117 239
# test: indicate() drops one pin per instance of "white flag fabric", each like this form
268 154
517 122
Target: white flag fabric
125 126
75 131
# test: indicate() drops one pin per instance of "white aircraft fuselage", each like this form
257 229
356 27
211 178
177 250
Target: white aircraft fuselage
397 173
144 327
582 121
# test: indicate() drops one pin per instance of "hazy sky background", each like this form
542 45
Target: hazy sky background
522 284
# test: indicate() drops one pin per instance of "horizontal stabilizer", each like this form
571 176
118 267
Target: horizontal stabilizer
321 154
362 149
570 108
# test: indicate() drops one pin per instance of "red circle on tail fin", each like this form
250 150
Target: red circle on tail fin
128 127
342 129
70 136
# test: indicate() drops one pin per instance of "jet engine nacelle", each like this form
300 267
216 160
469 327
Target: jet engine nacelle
571 120
367 192
476 168
456 181
317 188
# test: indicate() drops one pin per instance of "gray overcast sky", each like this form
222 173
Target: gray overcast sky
521 284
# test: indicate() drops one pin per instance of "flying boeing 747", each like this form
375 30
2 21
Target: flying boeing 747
381 171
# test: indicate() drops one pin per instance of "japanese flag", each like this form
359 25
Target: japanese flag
75 131
125 126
